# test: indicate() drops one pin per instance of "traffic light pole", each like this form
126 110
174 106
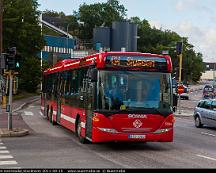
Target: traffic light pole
180 79
10 101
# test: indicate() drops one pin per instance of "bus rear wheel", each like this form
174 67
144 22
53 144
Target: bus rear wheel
51 117
78 132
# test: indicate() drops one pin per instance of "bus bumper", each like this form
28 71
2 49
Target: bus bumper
102 136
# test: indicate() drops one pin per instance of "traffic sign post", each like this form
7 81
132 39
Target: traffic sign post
179 50
10 101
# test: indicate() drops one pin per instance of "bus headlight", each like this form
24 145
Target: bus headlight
108 130
159 131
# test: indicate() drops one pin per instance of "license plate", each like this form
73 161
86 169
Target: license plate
137 136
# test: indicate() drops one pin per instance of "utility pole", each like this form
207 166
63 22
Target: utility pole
3 89
1 27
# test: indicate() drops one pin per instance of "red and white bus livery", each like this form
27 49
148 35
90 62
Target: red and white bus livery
111 96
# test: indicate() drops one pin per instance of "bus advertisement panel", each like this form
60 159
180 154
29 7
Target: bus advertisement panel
111 96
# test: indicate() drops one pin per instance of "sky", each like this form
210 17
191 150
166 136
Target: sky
195 19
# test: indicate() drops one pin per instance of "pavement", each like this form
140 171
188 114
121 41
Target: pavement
184 113
19 128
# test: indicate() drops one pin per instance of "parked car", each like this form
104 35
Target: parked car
185 94
208 91
205 113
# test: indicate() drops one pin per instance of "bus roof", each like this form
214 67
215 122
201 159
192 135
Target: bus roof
98 59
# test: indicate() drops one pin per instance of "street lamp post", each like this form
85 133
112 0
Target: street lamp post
67 46
1 28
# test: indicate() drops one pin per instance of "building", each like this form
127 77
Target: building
57 48
210 73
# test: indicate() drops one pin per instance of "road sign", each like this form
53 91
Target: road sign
180 89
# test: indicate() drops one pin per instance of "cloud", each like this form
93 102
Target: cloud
203 39
184 4
155 24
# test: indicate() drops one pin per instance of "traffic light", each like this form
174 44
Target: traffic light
179 47
9 61
2 63
17 62
12 59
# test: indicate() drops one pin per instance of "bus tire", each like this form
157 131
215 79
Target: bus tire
51 117
78 131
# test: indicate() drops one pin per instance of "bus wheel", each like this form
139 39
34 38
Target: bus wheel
78 132
51 117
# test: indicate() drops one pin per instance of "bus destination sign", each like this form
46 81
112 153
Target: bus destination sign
136 61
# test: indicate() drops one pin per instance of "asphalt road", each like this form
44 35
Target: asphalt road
50 146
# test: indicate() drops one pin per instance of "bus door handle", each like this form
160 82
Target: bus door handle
81 97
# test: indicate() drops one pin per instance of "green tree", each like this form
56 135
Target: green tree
21 30
99 14
30 75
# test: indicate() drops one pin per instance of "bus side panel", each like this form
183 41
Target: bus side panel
69 115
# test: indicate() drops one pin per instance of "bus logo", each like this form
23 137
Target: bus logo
137 116
137 124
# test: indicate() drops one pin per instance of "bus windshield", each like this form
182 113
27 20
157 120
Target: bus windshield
132 90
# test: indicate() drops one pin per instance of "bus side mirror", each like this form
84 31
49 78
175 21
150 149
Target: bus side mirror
94 75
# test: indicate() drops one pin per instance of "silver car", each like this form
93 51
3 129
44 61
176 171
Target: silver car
205 113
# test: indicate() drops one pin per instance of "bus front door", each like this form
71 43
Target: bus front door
89 106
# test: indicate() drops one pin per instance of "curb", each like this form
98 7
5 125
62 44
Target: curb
16 132
24 104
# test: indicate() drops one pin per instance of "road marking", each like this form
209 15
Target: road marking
41 114
1 143
6 157
11 162
4 151
206 157
3 148
209 134
28 113
32 106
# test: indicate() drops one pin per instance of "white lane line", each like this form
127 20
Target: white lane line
206 157
4 151
209 134
28 113
1 143
41 114
3 148
11 162
6 157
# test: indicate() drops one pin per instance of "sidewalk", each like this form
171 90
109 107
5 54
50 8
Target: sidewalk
19 126
184 113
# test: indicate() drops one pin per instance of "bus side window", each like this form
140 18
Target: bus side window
82 79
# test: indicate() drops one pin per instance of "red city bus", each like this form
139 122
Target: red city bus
111 96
